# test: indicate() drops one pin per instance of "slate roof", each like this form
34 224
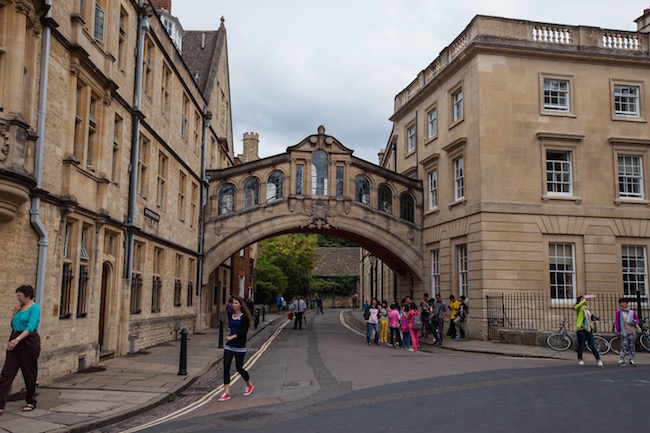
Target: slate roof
200 59
332 262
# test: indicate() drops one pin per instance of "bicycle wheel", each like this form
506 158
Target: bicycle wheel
559 342
644 339
615 345
601 344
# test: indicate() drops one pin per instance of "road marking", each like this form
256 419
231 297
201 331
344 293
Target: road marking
212 394
344 323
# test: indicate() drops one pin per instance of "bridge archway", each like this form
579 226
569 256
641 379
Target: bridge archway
317 186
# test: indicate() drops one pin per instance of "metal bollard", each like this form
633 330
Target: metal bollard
264 313
220 333
257 317
182 367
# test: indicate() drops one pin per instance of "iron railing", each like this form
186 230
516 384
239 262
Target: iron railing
136 294
535 311
66 291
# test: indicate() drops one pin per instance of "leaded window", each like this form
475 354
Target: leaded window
319 166
362 190
385 199
251 193
227 200
406 207
274 186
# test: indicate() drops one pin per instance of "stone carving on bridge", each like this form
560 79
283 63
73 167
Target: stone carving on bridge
218 229
319 215
4 142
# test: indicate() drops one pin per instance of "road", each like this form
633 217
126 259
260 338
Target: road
325 378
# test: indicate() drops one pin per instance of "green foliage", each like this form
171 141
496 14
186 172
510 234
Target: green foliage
342 285
271 281
291 255
330 241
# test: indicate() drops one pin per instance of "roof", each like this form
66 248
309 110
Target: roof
334 262
199 54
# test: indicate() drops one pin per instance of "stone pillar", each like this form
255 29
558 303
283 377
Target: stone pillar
15 62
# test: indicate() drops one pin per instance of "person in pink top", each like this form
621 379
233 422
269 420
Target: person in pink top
414 332
393 325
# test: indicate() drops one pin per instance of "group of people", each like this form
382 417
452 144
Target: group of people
402 325
626 323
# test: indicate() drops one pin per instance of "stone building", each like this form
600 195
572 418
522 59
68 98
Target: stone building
107 131
532 143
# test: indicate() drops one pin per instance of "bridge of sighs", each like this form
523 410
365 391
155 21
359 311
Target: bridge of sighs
317 186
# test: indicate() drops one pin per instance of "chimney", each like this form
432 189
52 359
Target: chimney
162 4
381 154
251 146
643 22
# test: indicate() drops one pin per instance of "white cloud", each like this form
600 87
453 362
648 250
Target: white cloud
297 64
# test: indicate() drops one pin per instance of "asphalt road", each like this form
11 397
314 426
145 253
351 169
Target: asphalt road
327 379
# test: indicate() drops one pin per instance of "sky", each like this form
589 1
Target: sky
298 64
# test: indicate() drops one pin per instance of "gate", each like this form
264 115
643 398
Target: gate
495 315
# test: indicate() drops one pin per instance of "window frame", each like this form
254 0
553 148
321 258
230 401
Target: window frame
561 143
435 272
630 147
457 105
641 115
411 141
548 110
573 272
432 182
432 123
627 290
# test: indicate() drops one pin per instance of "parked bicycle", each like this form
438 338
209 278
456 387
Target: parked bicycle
562 340
642 339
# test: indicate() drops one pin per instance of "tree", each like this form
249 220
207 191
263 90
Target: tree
271 281
293 255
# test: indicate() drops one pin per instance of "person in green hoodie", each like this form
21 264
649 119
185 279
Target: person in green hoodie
585 329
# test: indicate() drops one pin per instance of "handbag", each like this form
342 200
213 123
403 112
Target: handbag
290 316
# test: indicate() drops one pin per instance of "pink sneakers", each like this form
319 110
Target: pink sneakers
224 397
249 389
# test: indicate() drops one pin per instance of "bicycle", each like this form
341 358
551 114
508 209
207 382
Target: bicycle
562 340
642 339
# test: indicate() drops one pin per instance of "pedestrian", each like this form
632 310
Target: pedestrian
371 316
426 325
626 324
284 304
383 322
459 322
405 327
584 328
23 348
251 306
393 325
319 305
229 308
440 314
278 303
365 305
299 306
415 333
354 300
236 346
454 306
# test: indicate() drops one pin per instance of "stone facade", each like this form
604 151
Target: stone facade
89 198
531 140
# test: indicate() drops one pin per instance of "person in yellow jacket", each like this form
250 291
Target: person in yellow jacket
584 329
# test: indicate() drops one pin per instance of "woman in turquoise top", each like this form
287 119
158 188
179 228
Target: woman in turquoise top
23 348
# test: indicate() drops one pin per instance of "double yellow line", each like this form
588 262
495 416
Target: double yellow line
215 392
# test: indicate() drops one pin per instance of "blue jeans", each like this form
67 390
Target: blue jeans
406 339
369 328
588 337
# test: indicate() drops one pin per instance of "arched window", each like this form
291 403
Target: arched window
406 207
274 186
251 193
385 199
362 190
319 173
227 200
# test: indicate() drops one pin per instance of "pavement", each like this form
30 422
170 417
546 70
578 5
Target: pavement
121 388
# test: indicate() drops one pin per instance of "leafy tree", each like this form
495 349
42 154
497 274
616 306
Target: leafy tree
271 281
330 241
293 255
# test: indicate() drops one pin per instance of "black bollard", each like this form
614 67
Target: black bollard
220 333
263 313
257 317
182 367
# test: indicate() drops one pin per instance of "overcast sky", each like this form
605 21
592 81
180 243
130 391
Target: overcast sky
297 64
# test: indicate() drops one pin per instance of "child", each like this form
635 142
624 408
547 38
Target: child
393 324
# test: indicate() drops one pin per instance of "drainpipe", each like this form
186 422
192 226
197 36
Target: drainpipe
143 28
207 117
35 211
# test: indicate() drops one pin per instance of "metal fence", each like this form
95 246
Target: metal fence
535 311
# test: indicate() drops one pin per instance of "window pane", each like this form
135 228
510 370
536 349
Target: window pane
562 272
385 199
558 172
362 188
319 173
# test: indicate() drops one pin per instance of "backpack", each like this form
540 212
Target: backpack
417 322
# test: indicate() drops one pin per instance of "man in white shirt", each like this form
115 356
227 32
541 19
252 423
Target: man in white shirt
299 307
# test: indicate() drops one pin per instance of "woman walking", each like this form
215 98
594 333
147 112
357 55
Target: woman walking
23 348
383 322
236 346
585 329
371 315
